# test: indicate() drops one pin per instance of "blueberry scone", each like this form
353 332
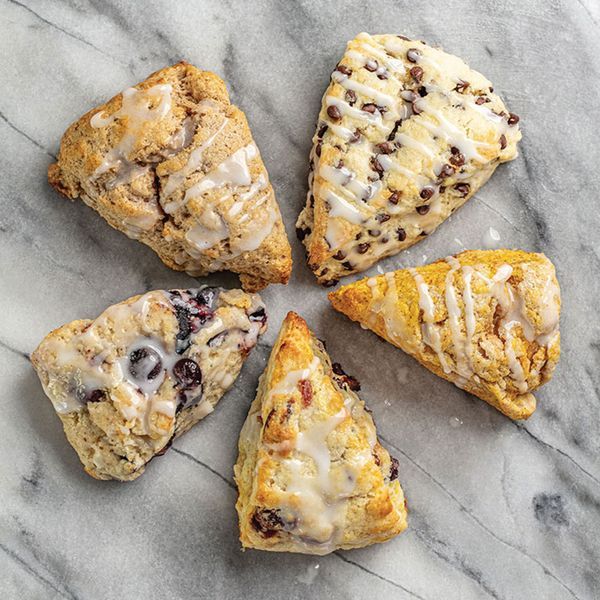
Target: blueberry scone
146 370
486 320
172 163
311 474
406 134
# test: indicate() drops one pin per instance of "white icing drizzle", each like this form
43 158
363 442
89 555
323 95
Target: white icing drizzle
260 184
410 142
374 119
342 132
351 84
346 182
233 171
429 330
176 180
342 208
389 164
138 107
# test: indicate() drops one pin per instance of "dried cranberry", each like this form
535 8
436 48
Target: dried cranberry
144 363
306 391
344 379
393 468
187 373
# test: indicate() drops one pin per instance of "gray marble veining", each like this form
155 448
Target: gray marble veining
497 509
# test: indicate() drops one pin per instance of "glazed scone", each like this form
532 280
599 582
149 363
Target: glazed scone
406 134
172 163
486 320
311 474
146 370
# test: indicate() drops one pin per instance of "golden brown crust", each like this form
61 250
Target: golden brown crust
312 476
172 163
513 346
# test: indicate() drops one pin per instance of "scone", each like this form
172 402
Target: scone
486 320
406 134
311 474
172 163
146 370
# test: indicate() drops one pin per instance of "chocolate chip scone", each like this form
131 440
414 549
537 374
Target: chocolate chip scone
172 163
486 320
406 134
311 474
127 383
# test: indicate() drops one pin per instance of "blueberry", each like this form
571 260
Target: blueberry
95 396
258 315
267 522
187 373
207 296
144 363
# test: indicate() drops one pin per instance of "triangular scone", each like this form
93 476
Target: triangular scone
406 134
487 320
146 370
171 162
311 474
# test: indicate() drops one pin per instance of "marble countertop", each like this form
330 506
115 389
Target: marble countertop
498 509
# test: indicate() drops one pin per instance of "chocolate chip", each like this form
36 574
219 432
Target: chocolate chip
376 166
363 248
267 522
392 135
371 65
322 130
417 74
413 55
344 69
446 171
330 283
482 100
403 37
457 159
382 217
384 240
401 234
347 265
394 197
374 232
144 364
351 97
461 86
422 91
370 108
426 193
463 189
423 209
318 149
393 468
417 110
513 119
502 142
339 255
187 373
382 74
442 189
385 148
355 137
334 113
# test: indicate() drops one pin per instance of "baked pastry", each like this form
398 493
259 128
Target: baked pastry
486 320
171 162
311 474
406 134
146 370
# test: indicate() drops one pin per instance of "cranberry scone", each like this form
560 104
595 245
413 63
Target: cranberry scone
172 163
486 320
311 474
127 383
406 134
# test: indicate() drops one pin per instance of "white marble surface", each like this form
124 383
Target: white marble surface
497 509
